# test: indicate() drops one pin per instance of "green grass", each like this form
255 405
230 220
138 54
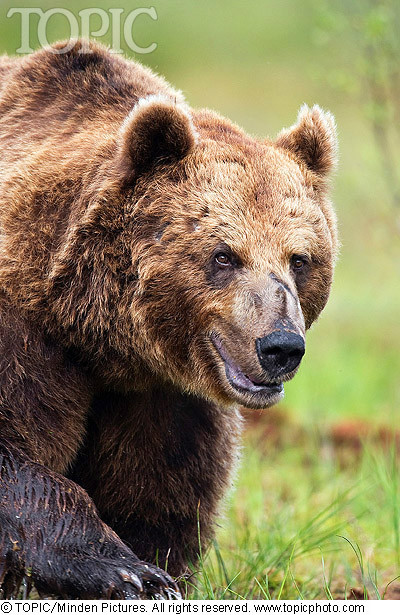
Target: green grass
299 525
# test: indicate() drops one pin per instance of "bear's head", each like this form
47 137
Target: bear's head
223 251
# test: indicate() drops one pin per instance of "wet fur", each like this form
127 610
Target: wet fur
112 406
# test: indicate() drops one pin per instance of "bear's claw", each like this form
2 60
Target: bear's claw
157 584
132 578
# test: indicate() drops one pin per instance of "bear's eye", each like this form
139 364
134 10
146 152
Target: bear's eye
222 266
223 259
298 262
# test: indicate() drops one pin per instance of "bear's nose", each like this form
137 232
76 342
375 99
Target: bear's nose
280 352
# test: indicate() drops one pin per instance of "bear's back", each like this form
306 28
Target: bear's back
51 96
60 115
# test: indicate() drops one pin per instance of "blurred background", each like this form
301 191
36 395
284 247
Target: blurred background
316 510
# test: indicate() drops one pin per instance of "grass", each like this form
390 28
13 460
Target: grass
305 522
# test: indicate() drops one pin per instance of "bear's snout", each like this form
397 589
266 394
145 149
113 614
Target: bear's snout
280 352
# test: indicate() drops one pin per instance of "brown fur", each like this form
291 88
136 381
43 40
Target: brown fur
112 215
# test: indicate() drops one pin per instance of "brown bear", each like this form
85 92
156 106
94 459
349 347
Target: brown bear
158 268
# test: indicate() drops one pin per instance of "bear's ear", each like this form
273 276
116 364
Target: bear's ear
312 139
156 131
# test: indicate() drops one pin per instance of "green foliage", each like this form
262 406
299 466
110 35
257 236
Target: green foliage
300 525
369 31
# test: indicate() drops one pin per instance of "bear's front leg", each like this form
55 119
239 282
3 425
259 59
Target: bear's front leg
50 532
49 527
157 464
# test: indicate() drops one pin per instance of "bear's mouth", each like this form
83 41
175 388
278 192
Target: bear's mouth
239 380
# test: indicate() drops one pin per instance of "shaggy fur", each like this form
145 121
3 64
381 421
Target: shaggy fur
145 250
